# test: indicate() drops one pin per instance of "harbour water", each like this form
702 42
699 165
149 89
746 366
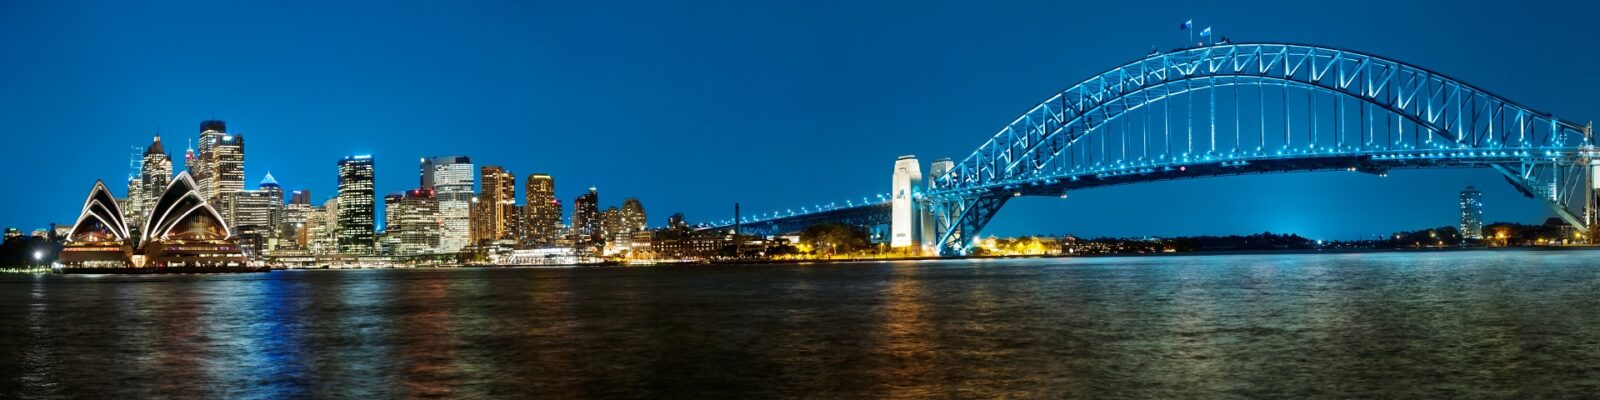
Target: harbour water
1453 324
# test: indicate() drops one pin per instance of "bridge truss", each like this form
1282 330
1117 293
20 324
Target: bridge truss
1255 108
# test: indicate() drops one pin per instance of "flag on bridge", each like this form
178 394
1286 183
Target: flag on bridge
1186 25
1206 32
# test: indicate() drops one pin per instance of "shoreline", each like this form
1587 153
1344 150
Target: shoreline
882 260
1041 256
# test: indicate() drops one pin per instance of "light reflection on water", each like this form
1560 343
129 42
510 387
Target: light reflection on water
1432 324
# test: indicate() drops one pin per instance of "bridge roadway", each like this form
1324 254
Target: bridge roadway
1262 108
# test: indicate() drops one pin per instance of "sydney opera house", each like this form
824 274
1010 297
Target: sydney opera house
181 233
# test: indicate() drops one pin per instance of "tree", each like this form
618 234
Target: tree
835 237
19 251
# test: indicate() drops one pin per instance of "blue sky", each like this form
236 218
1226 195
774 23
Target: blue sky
692 106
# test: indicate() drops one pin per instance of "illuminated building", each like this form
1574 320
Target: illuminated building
183 233
451 179
514 224
292 232
633 216
155 172
676 221
479 223
391 213
498 198
220 164
100 238
1471 213
256 214
542 212
420 224
302 196
322 228
586 216
610 224
355 211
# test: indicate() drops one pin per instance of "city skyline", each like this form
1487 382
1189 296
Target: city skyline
688 163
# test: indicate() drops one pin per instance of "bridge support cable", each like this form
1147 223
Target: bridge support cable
1261 103
1311 108
1213 117
1237 139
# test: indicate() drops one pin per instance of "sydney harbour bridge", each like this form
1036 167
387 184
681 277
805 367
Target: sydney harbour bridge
1227 109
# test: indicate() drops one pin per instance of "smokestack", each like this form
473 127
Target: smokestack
736 219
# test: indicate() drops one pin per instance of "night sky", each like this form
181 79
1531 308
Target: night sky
694 106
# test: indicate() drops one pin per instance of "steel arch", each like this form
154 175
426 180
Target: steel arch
1474 127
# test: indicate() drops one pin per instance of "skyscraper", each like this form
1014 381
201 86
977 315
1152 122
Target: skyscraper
211 132
542 213
228 169
302 196
391 215
418 224
355 205
586 216
451 179
498 198
292 233
514 222
633 217
155 172
135 186
322 227
676 221
219 165
611 224
1471 213
256 213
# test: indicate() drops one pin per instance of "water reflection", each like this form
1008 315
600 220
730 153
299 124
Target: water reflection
1446 324
425 347
903 338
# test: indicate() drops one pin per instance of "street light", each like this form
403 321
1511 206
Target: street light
37 257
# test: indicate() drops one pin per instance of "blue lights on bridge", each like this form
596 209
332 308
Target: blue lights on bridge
1316 109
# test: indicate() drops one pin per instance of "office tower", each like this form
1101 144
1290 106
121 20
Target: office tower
1471 213
291 231
479 224
189 158
633 217
499 196
391 215
355 206
322 228
155 172
451 179
256 213
220 160
515 222
211 132
611 224
131 205
542 213
419 226
302 196
586 215
135 196
219 166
